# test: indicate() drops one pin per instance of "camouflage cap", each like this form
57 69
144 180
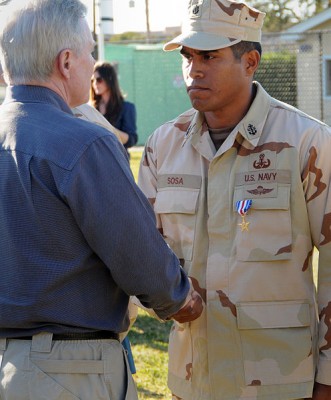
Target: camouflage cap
215 24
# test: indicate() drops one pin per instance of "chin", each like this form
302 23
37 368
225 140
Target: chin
198 106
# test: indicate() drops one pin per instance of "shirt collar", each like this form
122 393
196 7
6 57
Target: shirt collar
35 94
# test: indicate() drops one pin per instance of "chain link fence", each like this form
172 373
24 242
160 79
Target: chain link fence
295 68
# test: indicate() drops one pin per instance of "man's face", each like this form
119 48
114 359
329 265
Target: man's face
214 79
82 70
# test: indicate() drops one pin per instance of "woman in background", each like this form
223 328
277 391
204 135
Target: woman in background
106 97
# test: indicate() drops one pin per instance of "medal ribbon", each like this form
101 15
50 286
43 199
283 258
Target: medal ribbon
242 206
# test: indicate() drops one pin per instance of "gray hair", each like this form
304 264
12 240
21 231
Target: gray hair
34 32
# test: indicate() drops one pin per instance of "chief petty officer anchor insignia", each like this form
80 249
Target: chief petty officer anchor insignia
242 207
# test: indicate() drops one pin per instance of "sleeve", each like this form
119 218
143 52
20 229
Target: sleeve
119 225
128 123
89 113
147 176
318 199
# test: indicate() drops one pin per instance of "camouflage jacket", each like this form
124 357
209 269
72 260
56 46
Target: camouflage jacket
89 113
259 336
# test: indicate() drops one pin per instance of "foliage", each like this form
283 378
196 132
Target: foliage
141 37
127 36
281 14
277 74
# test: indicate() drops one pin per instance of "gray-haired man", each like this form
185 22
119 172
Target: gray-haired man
77 236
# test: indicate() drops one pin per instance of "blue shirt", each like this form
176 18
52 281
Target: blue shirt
77 236
126 122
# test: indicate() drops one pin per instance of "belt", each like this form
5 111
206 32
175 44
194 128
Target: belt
78 336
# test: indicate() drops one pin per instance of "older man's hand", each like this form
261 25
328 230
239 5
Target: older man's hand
191 310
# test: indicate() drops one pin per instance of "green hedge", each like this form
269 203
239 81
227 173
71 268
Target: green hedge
277 74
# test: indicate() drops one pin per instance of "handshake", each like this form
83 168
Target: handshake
191 309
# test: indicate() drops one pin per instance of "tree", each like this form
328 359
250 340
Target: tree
127 36
281 14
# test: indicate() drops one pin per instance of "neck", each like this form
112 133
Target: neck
228 117
105 97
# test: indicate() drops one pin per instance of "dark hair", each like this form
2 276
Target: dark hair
108 72
243 47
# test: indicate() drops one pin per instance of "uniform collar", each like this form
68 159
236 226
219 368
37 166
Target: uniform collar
250 127
196 128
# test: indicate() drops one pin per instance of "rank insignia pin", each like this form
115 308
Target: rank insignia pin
242 207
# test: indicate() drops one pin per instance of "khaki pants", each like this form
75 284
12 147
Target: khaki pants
42 369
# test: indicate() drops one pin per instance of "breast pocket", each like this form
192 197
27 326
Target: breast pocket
269 234
177 209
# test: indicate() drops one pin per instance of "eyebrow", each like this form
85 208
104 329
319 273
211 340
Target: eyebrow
198 52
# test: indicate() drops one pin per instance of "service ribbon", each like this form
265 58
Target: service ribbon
243 206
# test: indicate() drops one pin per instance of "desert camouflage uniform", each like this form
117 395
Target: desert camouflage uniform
89 113
257 337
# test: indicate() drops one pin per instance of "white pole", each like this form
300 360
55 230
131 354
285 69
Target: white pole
100 34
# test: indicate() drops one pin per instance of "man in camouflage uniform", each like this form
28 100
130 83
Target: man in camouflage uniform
240 188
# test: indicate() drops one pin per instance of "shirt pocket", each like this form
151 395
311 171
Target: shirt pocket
276 342
177 209
269 234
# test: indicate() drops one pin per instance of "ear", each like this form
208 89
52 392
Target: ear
252 61
65 62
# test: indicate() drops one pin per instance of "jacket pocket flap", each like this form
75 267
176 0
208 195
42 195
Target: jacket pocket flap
176 201
278 314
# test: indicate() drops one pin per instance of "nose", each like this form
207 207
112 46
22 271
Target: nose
193 70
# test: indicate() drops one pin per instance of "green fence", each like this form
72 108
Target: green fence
152 79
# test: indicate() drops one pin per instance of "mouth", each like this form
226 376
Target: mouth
195 89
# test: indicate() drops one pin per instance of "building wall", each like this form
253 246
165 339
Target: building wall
326 51
313 51
309 76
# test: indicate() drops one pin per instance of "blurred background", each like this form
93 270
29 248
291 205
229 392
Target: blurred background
295 67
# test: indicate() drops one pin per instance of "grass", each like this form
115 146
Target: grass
135 157
149 338
149 343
